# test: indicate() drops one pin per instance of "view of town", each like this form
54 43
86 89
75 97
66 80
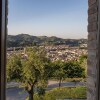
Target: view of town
47 50
55 53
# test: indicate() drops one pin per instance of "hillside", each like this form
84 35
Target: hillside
28 40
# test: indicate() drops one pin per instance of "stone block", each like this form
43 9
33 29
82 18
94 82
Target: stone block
93 18
92 36
93 9
91 2
92 27
92 45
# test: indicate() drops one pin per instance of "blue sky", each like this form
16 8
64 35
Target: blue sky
61 18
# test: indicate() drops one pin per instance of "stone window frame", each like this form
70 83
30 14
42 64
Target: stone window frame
93 71
3 34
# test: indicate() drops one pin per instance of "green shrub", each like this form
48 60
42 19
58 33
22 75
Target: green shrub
63 93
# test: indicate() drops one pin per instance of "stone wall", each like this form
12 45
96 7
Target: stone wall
92 50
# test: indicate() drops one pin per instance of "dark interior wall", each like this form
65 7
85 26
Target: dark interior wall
3 31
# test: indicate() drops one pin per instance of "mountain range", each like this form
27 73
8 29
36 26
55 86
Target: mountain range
29 40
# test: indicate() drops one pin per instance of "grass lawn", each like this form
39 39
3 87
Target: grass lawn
63 93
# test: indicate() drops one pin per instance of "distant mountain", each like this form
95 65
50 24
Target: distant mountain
28 40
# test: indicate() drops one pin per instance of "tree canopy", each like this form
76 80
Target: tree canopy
31 71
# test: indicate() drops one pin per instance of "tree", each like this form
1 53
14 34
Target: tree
83 63
73 70
59 72
69 69
14 68
33 70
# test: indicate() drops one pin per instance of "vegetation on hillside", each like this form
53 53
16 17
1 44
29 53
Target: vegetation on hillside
28 40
